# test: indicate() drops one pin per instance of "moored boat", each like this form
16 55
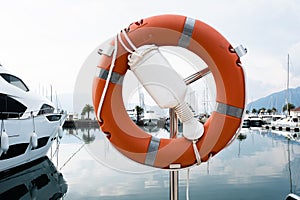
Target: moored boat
29 122
246 123
254 121
287 121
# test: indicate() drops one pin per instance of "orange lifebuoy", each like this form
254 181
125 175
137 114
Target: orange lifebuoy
222 61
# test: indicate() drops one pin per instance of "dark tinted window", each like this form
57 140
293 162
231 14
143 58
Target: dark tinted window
46 109
10 108
14 151
15 81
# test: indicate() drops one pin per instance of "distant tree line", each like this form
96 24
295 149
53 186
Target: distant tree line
286 107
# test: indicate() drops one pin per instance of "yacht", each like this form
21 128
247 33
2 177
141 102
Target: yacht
252 122
287 121
29 122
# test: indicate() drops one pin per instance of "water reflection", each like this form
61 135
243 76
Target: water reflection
35 180
242 136
257 165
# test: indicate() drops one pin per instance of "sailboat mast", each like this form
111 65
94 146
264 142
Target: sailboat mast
141 97
287 84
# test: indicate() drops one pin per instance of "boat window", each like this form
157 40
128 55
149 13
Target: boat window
15 81
46 109
10 108
41 143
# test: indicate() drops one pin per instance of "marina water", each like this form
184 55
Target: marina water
257 165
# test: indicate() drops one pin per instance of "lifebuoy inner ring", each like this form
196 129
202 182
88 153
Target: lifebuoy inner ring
222 61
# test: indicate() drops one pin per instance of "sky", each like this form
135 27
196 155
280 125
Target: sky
47 42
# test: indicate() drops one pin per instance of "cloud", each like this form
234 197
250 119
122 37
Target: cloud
48 41
294 52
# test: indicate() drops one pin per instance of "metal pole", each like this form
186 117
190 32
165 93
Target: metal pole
287 85
173 174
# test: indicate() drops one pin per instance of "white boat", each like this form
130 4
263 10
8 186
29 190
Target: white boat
29 122
150 118
246 123
289 121
132 114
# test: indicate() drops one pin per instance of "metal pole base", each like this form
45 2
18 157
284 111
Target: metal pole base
174 185
173 174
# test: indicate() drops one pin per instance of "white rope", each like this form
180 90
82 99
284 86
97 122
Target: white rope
33 124
196 152
112 65
2 126
130 60
198 158
123 44
72 156
56 149
128 40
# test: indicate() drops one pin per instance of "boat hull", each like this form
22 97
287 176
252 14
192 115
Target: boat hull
21 148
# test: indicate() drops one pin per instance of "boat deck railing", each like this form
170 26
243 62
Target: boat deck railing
29 114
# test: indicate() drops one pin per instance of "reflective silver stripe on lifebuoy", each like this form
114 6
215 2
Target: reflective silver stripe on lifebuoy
115 78
186 35
152 151
229 110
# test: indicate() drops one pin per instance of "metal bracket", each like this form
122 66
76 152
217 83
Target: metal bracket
240 50
174 166
106 49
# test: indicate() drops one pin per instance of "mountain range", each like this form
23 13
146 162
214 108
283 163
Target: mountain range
276 100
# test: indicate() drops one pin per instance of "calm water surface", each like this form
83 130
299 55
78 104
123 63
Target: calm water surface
262 165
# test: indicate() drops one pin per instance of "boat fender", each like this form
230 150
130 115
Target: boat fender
33 140
4 141
165 86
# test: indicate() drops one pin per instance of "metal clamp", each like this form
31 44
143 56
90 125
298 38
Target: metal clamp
240 50
106 49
